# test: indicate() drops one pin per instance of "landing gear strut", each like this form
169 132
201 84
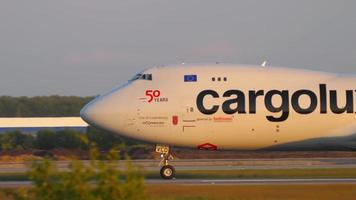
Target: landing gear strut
167 171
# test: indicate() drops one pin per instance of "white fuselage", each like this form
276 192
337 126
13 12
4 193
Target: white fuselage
220 106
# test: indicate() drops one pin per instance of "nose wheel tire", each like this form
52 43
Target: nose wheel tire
168 172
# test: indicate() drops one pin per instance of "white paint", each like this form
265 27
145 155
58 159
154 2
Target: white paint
122 110
49 122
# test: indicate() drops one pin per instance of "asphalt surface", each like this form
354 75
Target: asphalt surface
252 181
16 184
215 164
220 164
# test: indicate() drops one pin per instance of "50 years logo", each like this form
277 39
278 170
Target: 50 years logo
153 96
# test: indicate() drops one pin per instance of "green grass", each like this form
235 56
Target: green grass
13 176
243 174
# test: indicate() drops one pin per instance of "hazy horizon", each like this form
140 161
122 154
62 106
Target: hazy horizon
87 47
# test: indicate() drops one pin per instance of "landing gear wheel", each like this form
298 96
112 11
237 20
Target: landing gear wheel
168 172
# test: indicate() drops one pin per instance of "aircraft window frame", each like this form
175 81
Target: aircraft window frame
219 79
140 76
147 77
136 77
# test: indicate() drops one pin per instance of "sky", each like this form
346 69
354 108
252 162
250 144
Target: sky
87 47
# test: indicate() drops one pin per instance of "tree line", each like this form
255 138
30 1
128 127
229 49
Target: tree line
53 106
64 139
42 106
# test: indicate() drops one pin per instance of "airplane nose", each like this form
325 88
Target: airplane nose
105 112
90 112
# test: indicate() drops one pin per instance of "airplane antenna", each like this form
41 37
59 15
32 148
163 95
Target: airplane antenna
264 64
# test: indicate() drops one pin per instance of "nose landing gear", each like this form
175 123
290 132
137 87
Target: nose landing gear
167 171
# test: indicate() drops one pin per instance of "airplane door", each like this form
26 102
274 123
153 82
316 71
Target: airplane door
188 119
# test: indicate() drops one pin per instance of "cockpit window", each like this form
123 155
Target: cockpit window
137 76
142 77
147 77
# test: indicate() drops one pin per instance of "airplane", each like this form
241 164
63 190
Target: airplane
225 106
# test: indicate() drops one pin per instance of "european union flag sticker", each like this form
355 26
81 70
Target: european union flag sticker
190 78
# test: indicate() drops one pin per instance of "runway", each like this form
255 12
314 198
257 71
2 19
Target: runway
213 164
252 181
16 184
220 165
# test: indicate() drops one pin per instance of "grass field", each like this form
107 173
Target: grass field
265 192
245 174
256 192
